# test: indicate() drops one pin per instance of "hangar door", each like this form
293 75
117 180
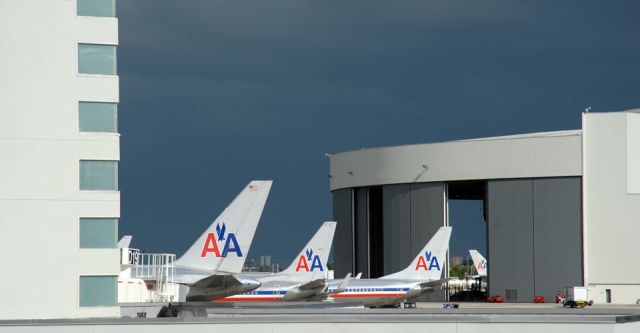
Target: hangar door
534 237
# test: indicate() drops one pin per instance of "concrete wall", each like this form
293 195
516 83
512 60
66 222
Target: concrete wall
612 205
40 145
534 236
552 154
321 326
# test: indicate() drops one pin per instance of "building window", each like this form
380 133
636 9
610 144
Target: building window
98 175
98 117
98 290
97 59
100 8
98 233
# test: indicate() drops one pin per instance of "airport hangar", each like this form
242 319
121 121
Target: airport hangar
561 208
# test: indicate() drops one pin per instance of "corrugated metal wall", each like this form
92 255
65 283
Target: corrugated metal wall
510 238
410 213
343 239
534 232
557 234
361 231
534 236
396 212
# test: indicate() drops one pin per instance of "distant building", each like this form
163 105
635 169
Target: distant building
59 153
561 208
456 260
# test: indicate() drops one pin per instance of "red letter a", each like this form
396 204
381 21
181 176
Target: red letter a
302 263
210 245
421 263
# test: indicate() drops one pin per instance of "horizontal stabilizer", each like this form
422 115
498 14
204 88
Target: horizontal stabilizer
217 281
315 284
434 283
218 286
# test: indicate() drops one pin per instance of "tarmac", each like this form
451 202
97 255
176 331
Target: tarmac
319 317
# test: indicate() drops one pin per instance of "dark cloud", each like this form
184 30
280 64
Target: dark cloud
215 93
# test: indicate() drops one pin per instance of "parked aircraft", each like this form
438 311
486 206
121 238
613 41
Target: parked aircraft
209 265
422 276
479 262
302 279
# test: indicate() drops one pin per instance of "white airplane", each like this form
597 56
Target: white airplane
479 262
419 278
302 279
209 265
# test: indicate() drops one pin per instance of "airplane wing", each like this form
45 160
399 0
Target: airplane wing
322 296
343 285
434 283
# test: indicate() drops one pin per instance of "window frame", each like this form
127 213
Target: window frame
115 46
116 123
115 11
117 224
117 175
115 277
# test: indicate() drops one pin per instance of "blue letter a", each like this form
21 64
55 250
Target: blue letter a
434 263
316 263
231 238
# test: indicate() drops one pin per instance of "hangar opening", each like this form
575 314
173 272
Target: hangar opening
466 202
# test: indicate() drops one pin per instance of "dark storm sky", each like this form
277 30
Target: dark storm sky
215 93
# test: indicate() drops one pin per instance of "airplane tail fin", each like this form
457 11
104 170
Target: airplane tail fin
225 243
429 263
311 262
479 262
125 241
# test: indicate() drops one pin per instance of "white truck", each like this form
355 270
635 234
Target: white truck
576 297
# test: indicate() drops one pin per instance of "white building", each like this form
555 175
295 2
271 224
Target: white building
560 208
59 152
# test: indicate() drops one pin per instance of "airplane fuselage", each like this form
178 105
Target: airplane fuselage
376 292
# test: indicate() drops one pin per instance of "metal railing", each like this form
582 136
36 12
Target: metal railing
158 270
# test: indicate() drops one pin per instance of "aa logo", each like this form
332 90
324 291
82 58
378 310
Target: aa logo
314 260
427 262
219 239
482 264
